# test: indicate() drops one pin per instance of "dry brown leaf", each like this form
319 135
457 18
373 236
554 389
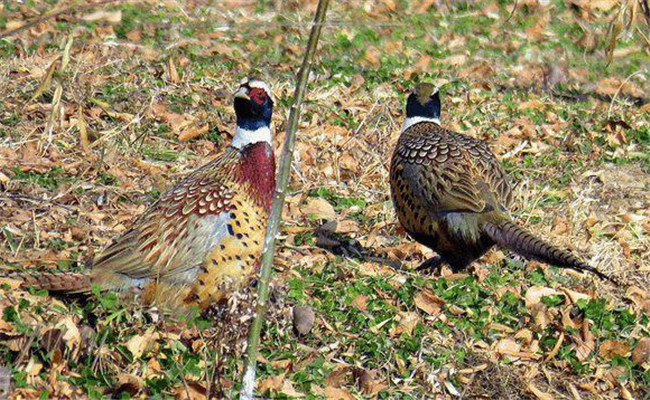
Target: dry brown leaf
641 352
585 344
507 347
338 376
428 302
610 348
129 383
556 348
356 82
176 122
134 35
13 24
535 293
371 57
31 160
193 391
319 208
71 336
288 389
347 161
332 393
360 303
535 32
636 294
406 322
576 296
602 5
454 59
538 393
615 374
393 46
33 368
138 344
477 72
423 64
542 316
347 226
588 41
273 383
172 73
282 364
422 6
612 86
112 17
193 132
625 394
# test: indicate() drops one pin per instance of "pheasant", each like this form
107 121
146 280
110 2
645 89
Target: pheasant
202 238
451 194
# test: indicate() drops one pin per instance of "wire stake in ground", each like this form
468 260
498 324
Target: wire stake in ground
266 262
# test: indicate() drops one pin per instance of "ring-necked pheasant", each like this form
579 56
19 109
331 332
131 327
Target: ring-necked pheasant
451 195
202 238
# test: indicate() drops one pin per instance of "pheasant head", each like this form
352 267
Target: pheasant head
422 104
253 107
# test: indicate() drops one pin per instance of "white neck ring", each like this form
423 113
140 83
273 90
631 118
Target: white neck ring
410 121
244 137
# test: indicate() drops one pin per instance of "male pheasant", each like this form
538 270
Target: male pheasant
202 238
451 195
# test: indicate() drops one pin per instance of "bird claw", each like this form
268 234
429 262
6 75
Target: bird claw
429 266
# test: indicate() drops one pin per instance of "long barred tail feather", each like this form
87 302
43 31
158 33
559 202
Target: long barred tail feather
512 236
64 282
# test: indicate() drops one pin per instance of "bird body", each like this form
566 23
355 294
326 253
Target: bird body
202 238
444 185
451 194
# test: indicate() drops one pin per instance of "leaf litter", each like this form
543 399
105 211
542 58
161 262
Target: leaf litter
102 109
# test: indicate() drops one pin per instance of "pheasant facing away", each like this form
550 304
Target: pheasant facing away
202 238
451 195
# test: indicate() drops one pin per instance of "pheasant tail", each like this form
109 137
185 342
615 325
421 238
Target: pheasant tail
65 282
512 236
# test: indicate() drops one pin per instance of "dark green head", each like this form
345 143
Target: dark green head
423 102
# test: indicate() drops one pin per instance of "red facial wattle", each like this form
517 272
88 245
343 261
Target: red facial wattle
257 95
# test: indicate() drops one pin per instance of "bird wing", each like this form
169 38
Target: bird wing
451 172
488 167
176 233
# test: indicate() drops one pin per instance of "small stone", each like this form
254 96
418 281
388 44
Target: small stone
5 382
364 379
303 319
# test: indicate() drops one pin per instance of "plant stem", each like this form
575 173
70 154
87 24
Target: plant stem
266 262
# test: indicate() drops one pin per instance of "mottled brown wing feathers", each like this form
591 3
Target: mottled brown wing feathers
154 246
456 172
488 168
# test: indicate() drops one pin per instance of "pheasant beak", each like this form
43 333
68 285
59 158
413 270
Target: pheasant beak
242 93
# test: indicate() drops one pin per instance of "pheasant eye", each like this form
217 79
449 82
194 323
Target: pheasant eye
257 95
